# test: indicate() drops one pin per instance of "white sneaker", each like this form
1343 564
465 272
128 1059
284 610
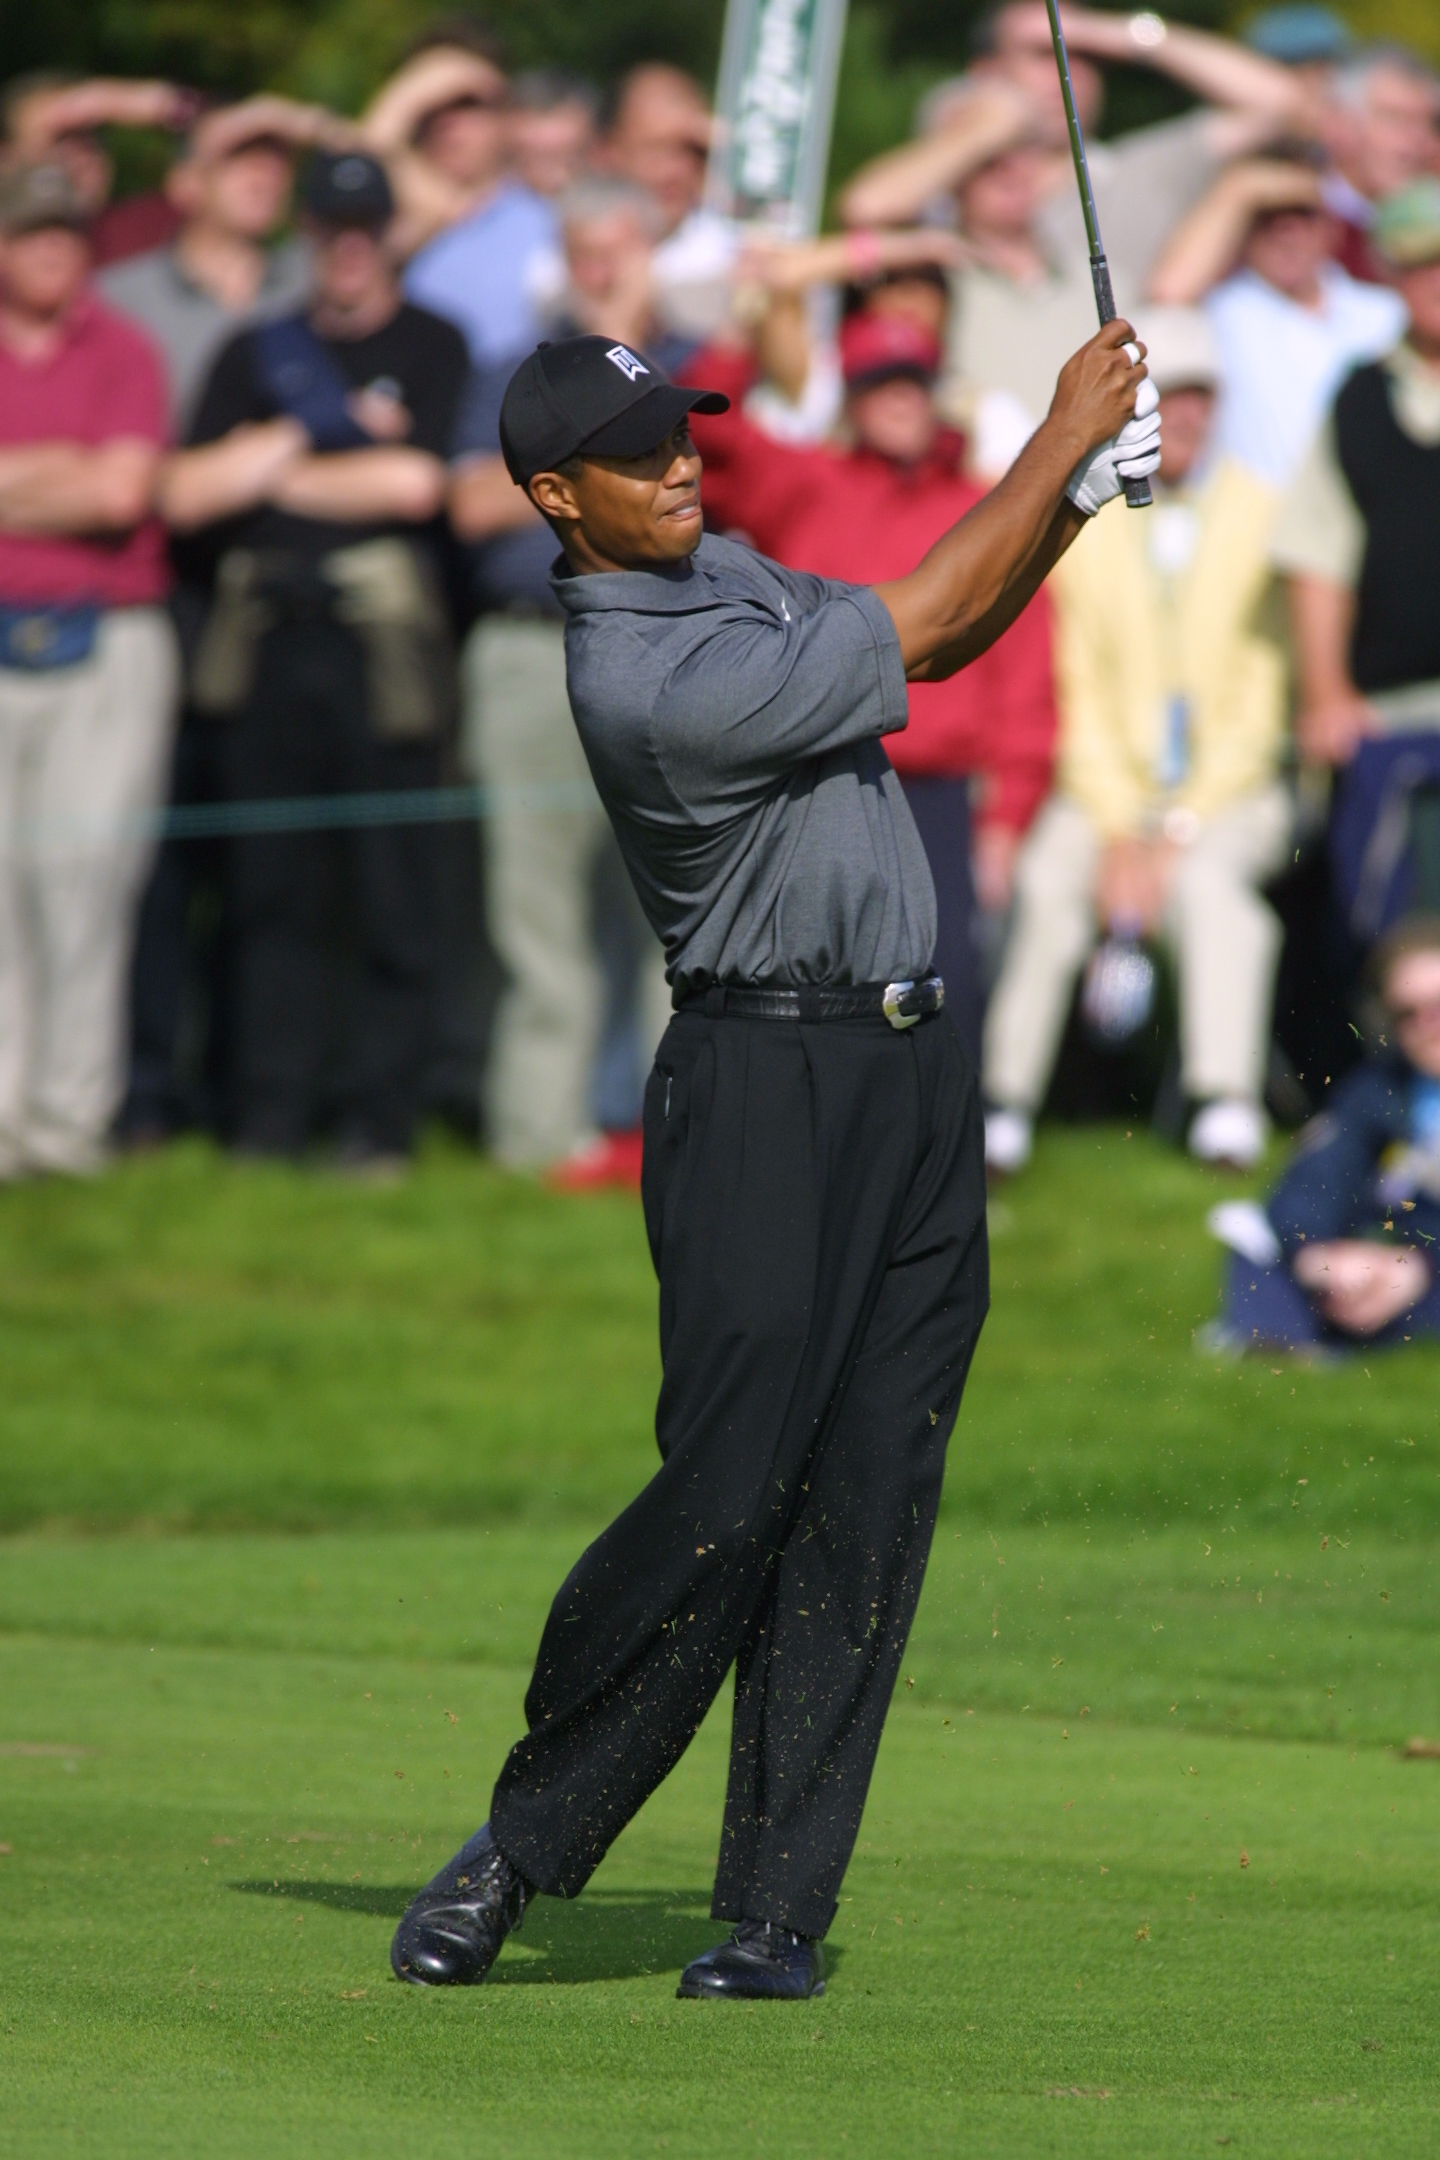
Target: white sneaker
1229 1133
1247 1230
1009 1136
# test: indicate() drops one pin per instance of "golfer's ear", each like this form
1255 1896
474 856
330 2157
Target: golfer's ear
554 495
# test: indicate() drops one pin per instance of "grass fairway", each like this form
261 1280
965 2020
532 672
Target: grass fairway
289 1473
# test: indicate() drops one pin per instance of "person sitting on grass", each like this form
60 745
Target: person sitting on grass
1345 1247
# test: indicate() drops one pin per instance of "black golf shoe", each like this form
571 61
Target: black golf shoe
452 1932
759 1963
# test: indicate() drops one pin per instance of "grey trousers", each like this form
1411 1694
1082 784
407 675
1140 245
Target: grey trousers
544 837
1225 938
84 755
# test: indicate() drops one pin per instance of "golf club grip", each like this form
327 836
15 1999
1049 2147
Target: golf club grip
1105 306
1137 492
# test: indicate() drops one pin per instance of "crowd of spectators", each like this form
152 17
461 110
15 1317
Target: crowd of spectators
267 592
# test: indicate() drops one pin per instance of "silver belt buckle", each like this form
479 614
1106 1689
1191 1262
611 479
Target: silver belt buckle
892 1004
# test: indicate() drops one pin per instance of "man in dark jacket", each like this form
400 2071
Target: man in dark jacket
1359 538
315 475
1345 1248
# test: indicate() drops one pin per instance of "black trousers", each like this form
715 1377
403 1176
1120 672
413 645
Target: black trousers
815 1202
940 807
305 731
177 972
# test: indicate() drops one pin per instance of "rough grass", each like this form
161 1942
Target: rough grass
200 1343
1143 1870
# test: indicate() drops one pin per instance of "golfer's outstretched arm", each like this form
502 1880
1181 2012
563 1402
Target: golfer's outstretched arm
974 581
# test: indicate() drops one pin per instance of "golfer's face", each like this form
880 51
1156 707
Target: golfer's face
643 509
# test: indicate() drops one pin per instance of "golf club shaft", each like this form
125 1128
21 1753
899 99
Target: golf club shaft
1137 492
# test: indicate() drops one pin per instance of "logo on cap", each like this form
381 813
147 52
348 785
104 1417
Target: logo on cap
621 356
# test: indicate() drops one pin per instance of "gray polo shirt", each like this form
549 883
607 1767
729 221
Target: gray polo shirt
189 324
731 712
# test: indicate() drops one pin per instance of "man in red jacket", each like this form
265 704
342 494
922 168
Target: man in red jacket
983 739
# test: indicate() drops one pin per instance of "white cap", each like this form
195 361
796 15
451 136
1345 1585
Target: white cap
1180 348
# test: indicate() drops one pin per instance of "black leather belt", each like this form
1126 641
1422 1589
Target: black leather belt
901 1003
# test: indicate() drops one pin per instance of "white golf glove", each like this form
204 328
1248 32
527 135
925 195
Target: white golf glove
1133 454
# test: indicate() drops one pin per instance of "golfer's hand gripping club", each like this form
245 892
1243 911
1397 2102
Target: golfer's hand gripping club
1132 453
1137 486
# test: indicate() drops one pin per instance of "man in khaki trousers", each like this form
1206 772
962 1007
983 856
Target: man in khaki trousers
1168 815
88 675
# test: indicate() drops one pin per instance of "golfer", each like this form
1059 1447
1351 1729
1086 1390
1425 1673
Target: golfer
813 1185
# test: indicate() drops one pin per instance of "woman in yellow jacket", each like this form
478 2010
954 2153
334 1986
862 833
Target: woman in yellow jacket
1168 814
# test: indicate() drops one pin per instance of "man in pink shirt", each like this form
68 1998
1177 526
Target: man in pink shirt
88 674
982 741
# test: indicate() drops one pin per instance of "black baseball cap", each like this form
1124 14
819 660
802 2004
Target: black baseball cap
348 188
590 394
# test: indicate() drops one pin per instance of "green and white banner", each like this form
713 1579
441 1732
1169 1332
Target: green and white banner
773 111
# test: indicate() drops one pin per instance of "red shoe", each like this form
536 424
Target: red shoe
611 1160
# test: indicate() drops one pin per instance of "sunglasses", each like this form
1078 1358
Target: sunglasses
1407 1015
